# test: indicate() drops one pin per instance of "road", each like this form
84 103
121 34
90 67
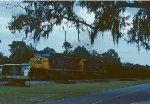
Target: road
139 94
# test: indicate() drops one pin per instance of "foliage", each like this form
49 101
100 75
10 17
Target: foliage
67 47
3 59
49 49
20 52
40 18
96 55
51 13
111 58
81 52
140 32
136 66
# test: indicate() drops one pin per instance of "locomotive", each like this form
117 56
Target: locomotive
60 67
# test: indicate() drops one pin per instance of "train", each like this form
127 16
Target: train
61 67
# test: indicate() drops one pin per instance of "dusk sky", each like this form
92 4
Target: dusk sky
127 52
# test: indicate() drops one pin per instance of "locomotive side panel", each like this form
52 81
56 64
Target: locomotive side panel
61 67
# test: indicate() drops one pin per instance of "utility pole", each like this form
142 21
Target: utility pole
65 36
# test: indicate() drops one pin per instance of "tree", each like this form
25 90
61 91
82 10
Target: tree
111 58
107 18
81 52
3 59
49 49
67 47
94 53
20 52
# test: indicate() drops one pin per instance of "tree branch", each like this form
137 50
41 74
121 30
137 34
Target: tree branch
72 19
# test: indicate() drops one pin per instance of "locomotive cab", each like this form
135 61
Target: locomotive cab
39 67
39 63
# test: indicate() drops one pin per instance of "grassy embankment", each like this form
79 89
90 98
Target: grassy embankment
40 93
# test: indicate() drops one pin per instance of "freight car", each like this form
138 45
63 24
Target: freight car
60 67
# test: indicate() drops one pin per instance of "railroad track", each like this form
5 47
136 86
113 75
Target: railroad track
28 82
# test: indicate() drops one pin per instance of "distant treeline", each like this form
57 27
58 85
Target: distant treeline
21 53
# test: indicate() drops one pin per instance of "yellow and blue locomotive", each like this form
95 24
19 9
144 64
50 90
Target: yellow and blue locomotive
59 67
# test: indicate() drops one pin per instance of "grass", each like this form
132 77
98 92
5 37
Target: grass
40 93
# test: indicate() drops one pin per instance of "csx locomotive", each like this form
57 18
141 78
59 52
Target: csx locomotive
60 67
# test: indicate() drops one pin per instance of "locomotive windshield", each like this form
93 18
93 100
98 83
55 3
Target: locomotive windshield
37 62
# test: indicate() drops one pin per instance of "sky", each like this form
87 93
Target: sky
127 52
